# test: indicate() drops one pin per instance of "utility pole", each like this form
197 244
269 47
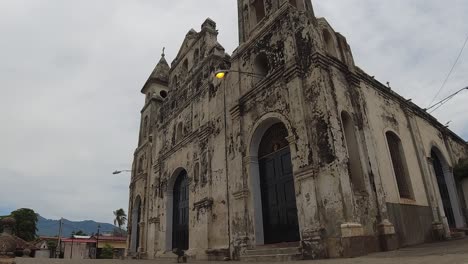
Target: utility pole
97 241
59 248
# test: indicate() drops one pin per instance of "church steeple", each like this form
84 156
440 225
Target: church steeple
161 71
158 82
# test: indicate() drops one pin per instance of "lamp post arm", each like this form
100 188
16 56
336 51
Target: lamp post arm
445 100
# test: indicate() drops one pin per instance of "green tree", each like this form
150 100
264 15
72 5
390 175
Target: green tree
107 252
26 223
120 218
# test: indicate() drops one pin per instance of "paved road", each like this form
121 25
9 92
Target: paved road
452 252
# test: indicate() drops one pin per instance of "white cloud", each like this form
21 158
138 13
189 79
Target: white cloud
71 72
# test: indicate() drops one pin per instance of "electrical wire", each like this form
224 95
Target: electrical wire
444 101
451 70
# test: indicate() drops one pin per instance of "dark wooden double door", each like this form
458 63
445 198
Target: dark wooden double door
280 222
443 189
180 227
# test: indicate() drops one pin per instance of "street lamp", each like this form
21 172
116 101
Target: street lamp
444 101
120 171
220 74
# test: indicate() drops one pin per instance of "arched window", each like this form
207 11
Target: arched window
330 47
196 56
355 166
259 6
185 66
140 164
400 167
179 131
174 81
145 127
196 173
261 65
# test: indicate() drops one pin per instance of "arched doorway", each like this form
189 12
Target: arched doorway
136 218
180 218
279 209
439 168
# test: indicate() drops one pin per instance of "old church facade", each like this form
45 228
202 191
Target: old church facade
296 152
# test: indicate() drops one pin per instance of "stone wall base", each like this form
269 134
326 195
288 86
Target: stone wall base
350 247
359 246
389 242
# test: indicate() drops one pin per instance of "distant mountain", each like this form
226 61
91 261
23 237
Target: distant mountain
48 227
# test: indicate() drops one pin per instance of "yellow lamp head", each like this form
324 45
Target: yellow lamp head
220 74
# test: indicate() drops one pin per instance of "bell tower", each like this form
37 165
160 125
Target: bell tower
253 13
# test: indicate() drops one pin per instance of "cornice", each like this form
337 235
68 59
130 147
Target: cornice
241 194
202 133
205 203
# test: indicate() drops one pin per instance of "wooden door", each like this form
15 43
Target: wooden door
180 229
279 207
444 193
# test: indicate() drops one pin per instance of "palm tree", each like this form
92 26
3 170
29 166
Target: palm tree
120 218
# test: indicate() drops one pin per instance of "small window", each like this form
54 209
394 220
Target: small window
163 94
261 65
174 81
196 173
145 127
400 167
179 131
185 65
355 166
140 164
196 56
259 9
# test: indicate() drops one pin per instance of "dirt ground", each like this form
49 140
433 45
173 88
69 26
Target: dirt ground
451 252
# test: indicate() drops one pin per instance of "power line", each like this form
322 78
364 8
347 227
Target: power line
444 101
451 70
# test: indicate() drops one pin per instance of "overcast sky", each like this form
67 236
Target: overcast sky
71 74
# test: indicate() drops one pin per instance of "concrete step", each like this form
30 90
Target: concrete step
272 251
464 230
271 258
457 235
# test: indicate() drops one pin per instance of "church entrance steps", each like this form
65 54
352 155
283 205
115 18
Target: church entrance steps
464 230
275 253
458 234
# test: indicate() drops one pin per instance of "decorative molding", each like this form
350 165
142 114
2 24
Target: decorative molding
157 167
202 133
291 139
241 194
250 159
265 83
236 111
292 72
305 173
154 220
141 176
205 203
353 79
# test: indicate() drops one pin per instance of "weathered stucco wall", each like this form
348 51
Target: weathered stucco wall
294 69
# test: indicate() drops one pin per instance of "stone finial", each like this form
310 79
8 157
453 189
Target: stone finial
209 24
